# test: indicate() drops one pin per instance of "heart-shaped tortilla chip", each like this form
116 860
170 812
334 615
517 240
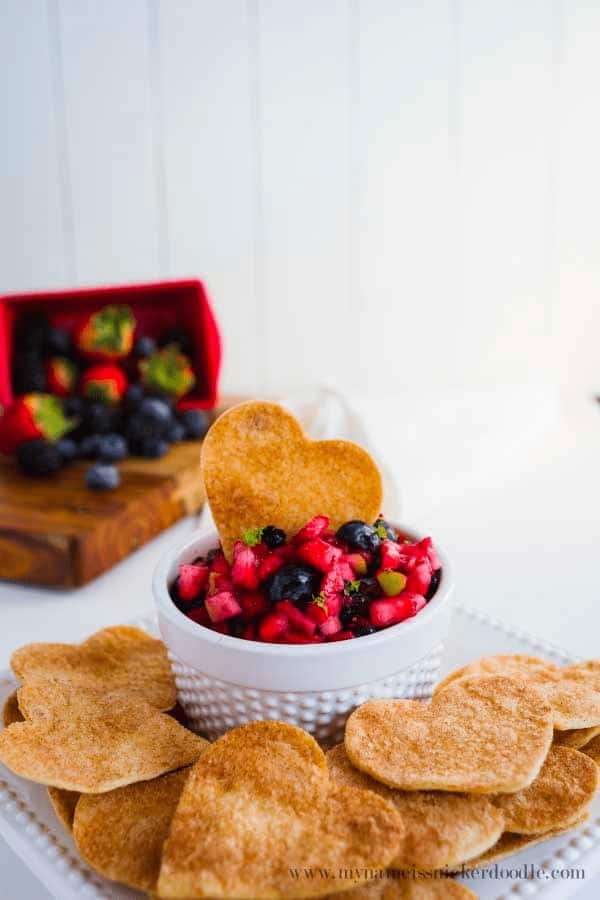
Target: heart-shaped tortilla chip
260 469
10 710
561 792
572 691
121 834
442 829
90 741
592 749
411 887
64 803
575 738
258 806
513 843
115 659
480 735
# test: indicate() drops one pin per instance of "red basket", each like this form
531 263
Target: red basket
156 307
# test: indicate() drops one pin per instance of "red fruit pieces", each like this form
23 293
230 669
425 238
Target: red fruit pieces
319 553
244 569
313 529
273 627
330 626
391 555
269 565
297 620
419 578
357 562
395 609
192 580
253 603
222 606
105 382
200 616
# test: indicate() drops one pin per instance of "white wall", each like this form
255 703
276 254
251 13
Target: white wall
375 191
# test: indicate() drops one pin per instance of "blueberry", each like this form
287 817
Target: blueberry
433 584
100 418
28 371
180 337
68 449
355 609
195 422
359 536
296 583
176 433
156 409
112 448
88 448
133 396
74 406
59 342
102 477
39 457
384 529
273 537
364 630
369 588
143 426
144 346
152 448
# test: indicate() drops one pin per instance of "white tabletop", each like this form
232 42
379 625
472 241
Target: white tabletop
507 480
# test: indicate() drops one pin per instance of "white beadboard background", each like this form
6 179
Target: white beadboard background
377 192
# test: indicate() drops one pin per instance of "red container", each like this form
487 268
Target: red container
156 307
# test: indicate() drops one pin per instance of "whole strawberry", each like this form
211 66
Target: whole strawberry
33 416
61 376
168 371
106 334
105 382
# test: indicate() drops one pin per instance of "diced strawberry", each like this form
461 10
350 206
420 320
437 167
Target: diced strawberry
244 570
192 579
261 551
395 609
334 604
297 619
419 578
249 632
333 582
330 626
221 627
342 636
287 553
295 638
319 553
390 555
200 616
273 627
358 563
269 565
253 604
312 529
427 546
222 606
318 612
218 583
219 564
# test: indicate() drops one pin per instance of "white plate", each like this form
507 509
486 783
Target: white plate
29 825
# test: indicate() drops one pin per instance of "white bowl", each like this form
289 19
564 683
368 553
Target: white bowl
224 681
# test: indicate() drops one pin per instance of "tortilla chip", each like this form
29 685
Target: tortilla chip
592 749
90 741
260 803
118 659
576 738
260 469
10 711
64 803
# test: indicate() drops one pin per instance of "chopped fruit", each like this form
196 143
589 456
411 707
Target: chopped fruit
317 587
170 372
384 530
312 529
222 606
319 554
391 583
244 570
106 334
192 580
359 536
105 383
61 376
273 627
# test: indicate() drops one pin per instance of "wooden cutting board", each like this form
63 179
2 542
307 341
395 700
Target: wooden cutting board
58 533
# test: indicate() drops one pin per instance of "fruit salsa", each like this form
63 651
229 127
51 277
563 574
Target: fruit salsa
318 586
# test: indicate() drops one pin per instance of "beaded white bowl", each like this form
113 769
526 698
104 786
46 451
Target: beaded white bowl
224 681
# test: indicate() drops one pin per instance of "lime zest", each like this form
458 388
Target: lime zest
321 602
252 536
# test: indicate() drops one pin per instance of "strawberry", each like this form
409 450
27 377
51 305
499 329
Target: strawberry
105 382
269 565
317 610
358 563
312 529
297 619
319 553
395 609
222 606
419 578
390 555
244 570
33 416
192 580
218 583
342 636
273 627
427 547
219 564
330 626
253 604
168 371
61 375
200 616
106 334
